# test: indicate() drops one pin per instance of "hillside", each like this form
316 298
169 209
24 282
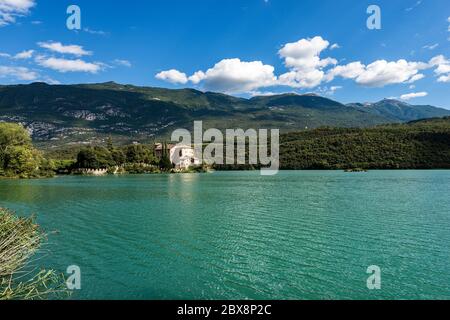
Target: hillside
87 114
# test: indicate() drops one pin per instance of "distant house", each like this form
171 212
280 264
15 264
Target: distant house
182 156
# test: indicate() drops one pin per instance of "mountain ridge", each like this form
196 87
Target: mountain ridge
89 113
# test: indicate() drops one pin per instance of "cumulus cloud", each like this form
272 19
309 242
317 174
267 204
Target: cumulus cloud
413 95
27 54
228 75
303 60
306 68
173 76
236 76
58 47
18 73
10 10
380 73
197 77
66 65
304 54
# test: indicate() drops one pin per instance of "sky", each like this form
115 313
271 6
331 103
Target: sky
244 48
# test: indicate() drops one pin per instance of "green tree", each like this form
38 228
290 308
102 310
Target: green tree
109 144
87 158
18 157
118 157
139 154
165 163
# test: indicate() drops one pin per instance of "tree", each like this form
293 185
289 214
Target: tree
109 144
87 158
139 154
118 157
165 162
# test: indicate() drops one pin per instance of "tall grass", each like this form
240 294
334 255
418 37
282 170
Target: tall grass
20 238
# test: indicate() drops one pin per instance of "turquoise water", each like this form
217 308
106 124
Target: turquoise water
238 235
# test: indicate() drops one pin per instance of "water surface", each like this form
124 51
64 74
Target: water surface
238 235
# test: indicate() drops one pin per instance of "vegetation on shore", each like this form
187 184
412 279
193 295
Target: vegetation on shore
18 157
423 144
20 238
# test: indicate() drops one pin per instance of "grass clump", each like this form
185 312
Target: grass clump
20 239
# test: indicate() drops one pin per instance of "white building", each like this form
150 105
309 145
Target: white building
183 157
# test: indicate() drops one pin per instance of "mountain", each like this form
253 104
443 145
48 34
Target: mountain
89 113
395 110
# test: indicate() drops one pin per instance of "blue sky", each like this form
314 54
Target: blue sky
242 48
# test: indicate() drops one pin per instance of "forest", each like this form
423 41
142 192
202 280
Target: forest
422 144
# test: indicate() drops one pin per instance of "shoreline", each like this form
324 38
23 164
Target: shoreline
216 171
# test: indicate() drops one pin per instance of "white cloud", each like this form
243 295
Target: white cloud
418 3
413 95
264 93
123 63
66 65
333 89
4 55
335 46
303 60
442 70
431 46
27 54
307 69
444 78
380 73
304 79
18 73
10 10
236 76
96 32
197 77
304 55
64 49
172 76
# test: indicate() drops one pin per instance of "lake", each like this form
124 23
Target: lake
239 235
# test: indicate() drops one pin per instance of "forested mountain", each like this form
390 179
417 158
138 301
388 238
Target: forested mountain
89 113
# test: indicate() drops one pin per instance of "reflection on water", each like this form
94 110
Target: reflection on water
231 235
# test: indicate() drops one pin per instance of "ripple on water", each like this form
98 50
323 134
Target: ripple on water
298 235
